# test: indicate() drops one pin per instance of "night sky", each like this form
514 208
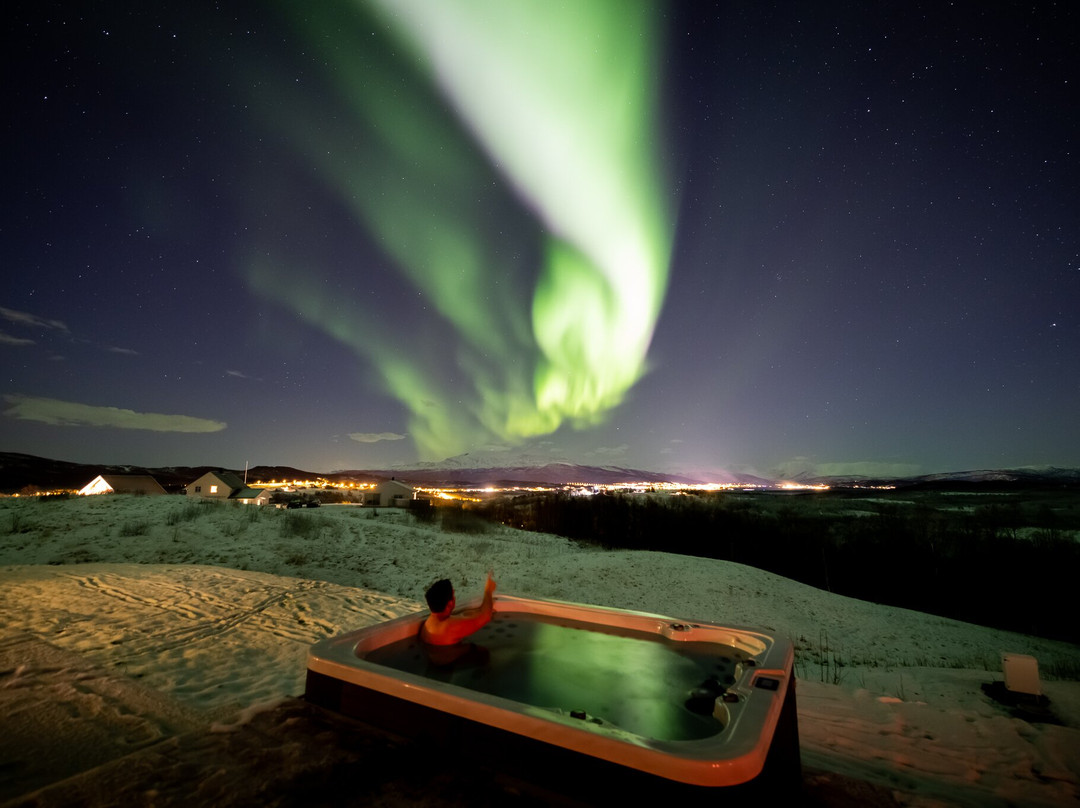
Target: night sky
767 237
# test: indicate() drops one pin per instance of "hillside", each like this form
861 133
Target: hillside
213 606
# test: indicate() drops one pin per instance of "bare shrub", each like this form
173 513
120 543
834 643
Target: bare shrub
303 525
459 520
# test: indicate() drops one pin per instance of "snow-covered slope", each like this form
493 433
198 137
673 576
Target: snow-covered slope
214 606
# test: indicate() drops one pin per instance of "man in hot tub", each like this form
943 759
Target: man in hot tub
443 627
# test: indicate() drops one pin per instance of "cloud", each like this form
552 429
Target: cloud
803 466
7 339
612 451
869 468
70 413
795 467
27 320
24 318
374 437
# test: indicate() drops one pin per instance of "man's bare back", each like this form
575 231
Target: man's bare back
443 627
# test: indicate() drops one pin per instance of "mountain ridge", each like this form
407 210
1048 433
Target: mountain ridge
24 472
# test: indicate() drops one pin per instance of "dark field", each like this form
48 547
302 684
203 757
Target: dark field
1007 558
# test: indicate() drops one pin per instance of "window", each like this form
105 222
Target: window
213 489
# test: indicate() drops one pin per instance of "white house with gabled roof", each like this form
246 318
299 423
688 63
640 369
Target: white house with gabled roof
215 485
122 484
227 485
390 493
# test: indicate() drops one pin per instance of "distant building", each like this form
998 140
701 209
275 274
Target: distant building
122 484
390 494
226 485
215 485
253 496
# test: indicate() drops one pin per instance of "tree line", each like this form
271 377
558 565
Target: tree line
1006 566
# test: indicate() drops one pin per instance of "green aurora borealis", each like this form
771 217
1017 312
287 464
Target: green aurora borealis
504 157
703 239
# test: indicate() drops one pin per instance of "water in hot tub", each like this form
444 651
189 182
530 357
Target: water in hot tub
641 683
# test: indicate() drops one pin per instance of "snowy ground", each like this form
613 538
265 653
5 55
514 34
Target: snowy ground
133 623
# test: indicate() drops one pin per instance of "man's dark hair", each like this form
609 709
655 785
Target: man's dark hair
439 594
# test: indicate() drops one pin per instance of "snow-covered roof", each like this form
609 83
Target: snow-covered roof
122 484
249 493
225 478
394 484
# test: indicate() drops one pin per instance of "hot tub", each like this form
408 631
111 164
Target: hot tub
644 699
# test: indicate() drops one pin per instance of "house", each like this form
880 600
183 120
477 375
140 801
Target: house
390 493
253 496
122 484
215 485
226 485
